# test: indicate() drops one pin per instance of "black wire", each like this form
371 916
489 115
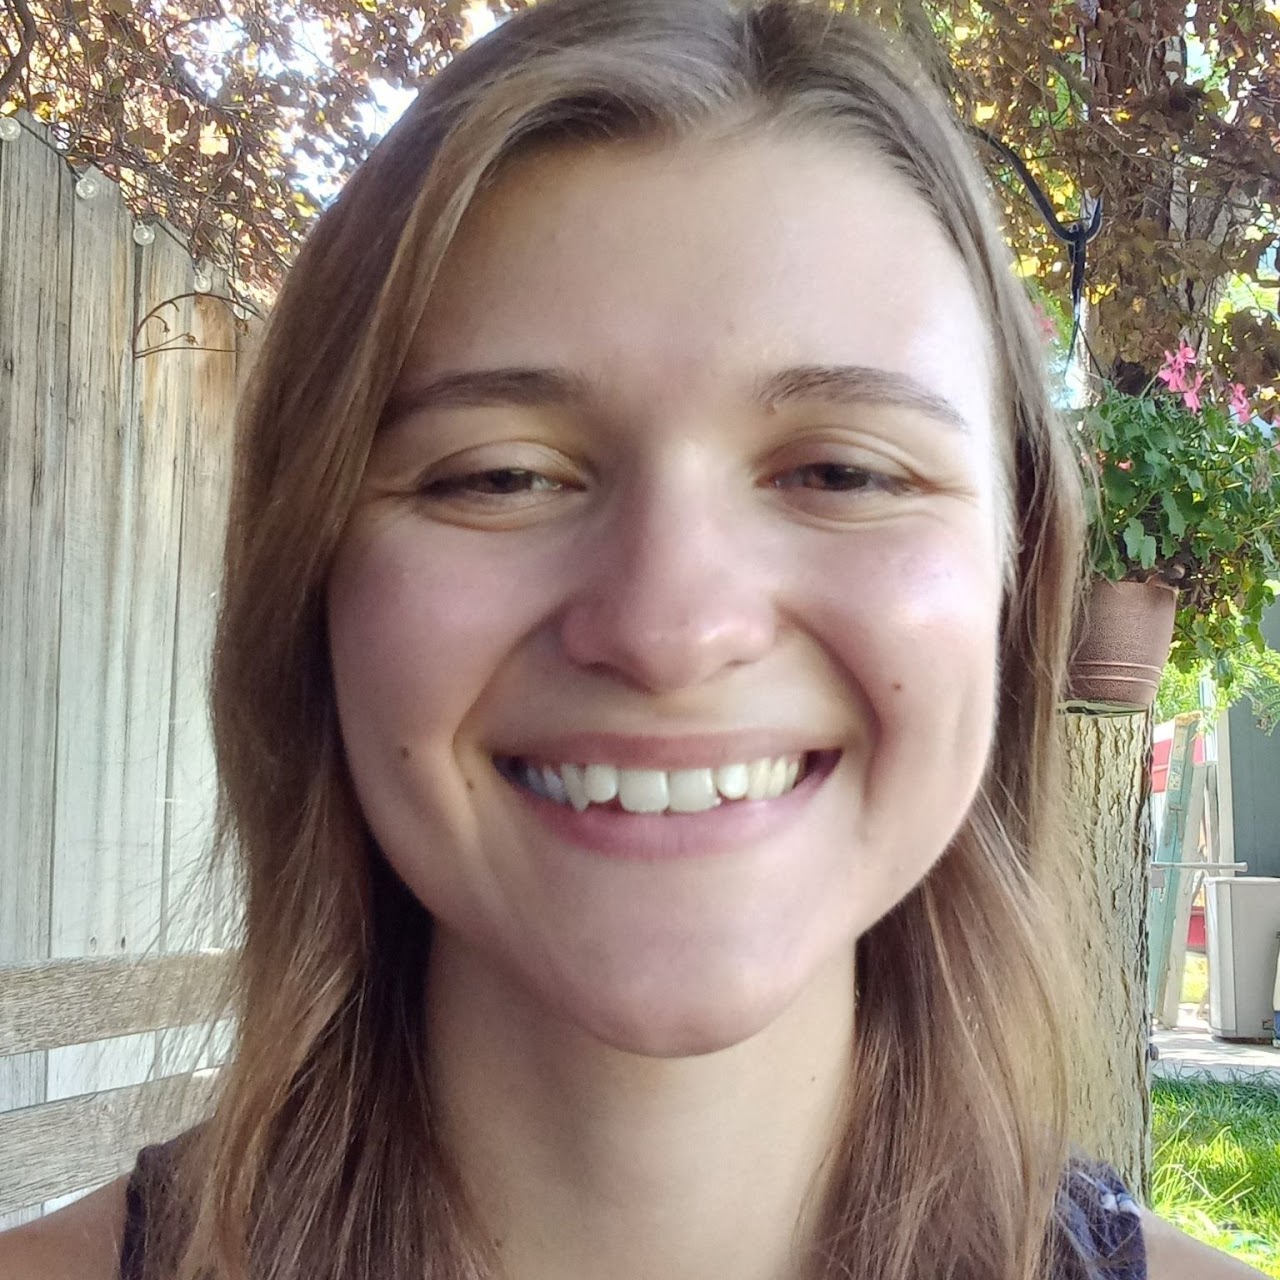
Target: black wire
1075 235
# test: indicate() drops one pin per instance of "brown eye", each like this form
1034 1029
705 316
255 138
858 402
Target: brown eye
490 484
836 477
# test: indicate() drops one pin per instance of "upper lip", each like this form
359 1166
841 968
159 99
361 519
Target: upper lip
659 751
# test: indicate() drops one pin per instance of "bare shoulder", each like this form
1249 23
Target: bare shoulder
1171 1255
80 1242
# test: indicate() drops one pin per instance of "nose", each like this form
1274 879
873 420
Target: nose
672 593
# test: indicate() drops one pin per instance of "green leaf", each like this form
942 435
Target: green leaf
1177 523
1134 536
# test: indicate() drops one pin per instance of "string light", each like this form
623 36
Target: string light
91 184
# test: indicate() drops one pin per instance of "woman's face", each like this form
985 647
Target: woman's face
692 466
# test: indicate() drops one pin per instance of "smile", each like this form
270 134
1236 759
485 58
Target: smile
653 791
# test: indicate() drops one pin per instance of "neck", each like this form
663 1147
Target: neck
582 1160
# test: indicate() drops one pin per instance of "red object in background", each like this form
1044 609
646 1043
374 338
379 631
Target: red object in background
1195 930
1161 749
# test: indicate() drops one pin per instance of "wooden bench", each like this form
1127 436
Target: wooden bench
53 1149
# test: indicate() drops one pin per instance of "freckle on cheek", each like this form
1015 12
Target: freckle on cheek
404 753
897 686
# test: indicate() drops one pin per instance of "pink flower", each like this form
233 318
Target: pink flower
1240 405
1191 394
1173 373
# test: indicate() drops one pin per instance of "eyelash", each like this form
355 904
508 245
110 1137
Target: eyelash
468 485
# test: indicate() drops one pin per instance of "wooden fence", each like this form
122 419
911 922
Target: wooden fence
113 485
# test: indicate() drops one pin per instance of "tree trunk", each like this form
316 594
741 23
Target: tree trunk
1110 848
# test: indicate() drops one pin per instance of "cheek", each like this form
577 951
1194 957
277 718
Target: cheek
913 622
414 635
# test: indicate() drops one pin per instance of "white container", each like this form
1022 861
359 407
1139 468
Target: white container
1242 936
1275 1001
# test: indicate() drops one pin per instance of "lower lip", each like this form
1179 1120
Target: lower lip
657 837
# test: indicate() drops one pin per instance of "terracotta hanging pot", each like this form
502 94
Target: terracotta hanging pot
1123 638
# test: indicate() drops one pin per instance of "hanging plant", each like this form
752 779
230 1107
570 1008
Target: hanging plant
1187 493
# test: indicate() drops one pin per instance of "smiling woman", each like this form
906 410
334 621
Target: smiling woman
668 489
649 581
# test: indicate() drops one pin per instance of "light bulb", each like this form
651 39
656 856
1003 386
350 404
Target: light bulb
10 129
204 279
88 187
143 233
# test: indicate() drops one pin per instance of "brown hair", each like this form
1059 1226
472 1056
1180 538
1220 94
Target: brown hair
321 1159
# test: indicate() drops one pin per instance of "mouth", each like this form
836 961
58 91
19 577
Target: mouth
663 791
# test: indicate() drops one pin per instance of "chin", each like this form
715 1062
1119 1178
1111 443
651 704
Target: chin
681 1025
686 1039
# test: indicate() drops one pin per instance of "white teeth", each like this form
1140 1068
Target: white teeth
575 785
777 780
601 781
555 788
659 790
643 790
731 781
759 775
692 790
533 779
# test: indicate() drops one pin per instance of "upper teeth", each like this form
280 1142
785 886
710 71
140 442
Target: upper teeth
660 790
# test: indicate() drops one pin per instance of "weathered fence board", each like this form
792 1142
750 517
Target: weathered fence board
199 912
35 301
70 1002
112 684
114 474
66 1146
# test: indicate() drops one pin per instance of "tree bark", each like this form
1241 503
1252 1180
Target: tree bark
1108 871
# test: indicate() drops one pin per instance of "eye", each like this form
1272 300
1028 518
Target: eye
497 483
838 477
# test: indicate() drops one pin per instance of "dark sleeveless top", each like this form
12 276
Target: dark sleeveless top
1098 1212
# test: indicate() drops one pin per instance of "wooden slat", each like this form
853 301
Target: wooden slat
115 641
60 1147
115 653
198 911
66 1002
35 302
113 479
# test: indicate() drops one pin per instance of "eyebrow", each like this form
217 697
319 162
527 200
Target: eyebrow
858 384
545 388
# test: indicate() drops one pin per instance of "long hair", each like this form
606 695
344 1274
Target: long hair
321 1160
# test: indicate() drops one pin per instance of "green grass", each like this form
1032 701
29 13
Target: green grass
1195 978
1216 1168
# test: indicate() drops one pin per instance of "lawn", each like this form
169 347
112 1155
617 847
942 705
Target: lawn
1216 1167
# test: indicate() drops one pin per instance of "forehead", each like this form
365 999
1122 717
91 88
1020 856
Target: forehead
672 272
